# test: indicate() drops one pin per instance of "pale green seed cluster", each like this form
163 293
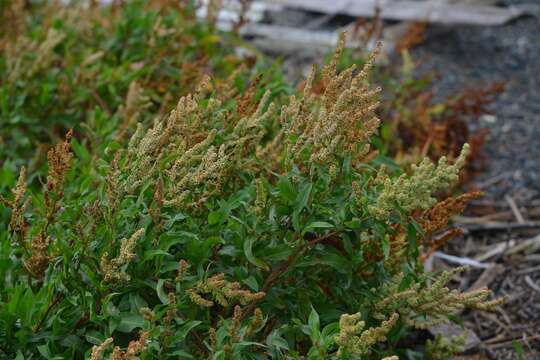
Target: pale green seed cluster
442 347
340 122
136 103
147 314
186 148
20 65
197 174
45 50
353 339
417 190
111 269
222 291
422 306
248 132
170 138
261 197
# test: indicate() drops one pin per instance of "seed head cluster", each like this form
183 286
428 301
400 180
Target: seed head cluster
111 269
418 190
354 340
222 291
434 302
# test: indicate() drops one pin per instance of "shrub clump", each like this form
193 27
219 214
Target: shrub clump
228 232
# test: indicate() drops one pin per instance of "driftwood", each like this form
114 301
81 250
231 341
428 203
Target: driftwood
474 2
288 39
284 39
488 275
428 11
512 247
470 228
515 210
277 38
460 260
500 216
229 13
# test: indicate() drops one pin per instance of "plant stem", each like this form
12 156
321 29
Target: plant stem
46 314
283 268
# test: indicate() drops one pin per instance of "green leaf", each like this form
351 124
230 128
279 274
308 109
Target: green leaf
412 240
167 240
302 198
94 337
337 261
44 350
248 244
161 293
182 354
252 283
299 204
79 150
150 254
216 217
186 328
286 189
385 244
219 355
456 319
330 330
277 253
519 349
277 341
129 321
314 325
317 225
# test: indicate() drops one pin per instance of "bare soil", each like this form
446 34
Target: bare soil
510 53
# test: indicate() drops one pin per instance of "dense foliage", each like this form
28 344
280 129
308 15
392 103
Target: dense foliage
59 65
237 225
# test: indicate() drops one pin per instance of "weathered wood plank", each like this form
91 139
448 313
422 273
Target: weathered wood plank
230 11
284 39
434 12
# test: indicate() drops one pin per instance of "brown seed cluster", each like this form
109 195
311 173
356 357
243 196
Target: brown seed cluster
39 258
19 205
58 159
37 253
439 215
256 322
171 309
133 351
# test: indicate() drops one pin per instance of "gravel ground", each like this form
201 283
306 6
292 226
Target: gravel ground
467 56
511 53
